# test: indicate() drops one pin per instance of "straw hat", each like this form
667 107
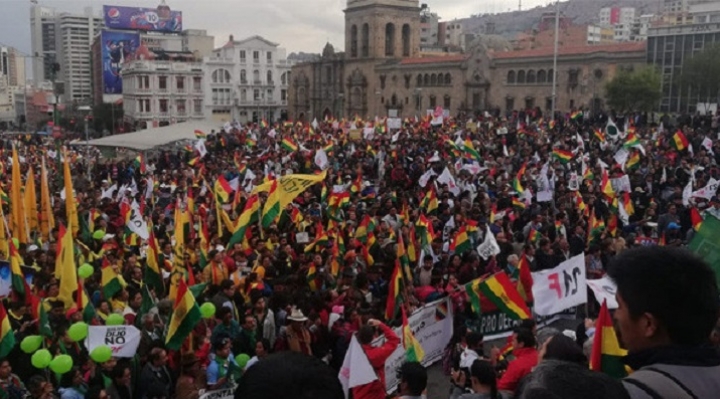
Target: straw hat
297 315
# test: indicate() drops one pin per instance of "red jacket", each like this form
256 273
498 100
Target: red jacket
525 360
377 357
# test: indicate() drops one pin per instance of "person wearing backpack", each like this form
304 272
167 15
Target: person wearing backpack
668 307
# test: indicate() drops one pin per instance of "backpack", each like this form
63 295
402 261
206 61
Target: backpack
659 384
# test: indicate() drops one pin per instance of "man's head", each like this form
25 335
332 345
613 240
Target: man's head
413 379
666 296
158 357
366 334
303 377
523 338
554 379
474 341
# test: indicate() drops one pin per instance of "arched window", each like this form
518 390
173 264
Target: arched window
243 76
393 100
433 80
283 78
243 95
531 76
365 47
550 76
521 77
511 77
390 39
221 76
448 79
419 80
406 40
256 76
353 41
541 76
269 77
426 80
356 98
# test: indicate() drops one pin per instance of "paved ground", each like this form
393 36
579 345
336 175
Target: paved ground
439 383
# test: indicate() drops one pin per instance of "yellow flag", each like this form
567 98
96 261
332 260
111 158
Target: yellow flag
70 207
19 229
65 269
4 244
31 208
47 219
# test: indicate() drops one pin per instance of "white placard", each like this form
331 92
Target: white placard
621 184
604 290
302 238
560 288
489 247
123 340
219 394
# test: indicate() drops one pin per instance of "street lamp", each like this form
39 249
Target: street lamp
87 109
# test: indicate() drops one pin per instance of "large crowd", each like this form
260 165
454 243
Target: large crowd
313 274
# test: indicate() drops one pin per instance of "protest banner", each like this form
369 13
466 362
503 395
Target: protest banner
123 340
604 289
561 287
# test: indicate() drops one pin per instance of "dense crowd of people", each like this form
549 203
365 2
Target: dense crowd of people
319 272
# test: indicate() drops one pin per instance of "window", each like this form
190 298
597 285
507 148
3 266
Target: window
256 56
541 76
242 55
419 80
531 76
353 41
365 40
382 82
162 83
433 103
448 79
390 40
180 83
243 95
243 76
270 94
197 83
529 103
197 106
180 106
509 104
476 100
163 105
283 95
143 105
521 77
269 57
269 77
406 40
446 102
511 77
256 77
221 76
283 79
433 80
426 80
256 95
143 82
418 101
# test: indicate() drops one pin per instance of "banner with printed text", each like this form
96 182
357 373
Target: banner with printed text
123 340
432 326
561 287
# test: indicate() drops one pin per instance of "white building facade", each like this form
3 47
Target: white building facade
160 93
247 80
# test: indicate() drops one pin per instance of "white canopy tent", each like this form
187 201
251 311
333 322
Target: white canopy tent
148 139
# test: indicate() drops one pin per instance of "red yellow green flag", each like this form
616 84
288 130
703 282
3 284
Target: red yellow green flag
606 355
413 351
395 287
7 336
185 315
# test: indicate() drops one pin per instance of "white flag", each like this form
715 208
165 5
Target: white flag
356 369
423 180
621 157
708 191
604 290
321 159
395 137
687 193
272 133
136 223
663 178
105 193
447 178
149 187
489 247
707 143
200 146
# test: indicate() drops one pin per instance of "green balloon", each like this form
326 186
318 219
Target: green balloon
114 320
78 331
31 343
98 234
41 359
61 364
242 360
86 270
207 310
101 354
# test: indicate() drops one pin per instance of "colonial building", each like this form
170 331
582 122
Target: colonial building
247 80
383 73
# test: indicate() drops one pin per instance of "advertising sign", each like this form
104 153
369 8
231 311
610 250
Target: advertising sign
160 19
117 48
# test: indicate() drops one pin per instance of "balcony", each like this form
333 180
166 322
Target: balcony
257 82
243 81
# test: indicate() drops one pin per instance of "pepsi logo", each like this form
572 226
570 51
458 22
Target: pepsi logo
114 13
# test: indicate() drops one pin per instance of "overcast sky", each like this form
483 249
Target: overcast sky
295 24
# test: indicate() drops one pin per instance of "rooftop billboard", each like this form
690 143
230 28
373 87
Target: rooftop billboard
160 19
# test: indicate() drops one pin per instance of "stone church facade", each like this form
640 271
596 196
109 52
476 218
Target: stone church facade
383 73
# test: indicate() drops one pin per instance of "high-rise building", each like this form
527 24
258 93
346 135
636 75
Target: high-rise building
12 66
61 45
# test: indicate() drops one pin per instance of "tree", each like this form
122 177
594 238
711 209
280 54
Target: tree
636 90
700 74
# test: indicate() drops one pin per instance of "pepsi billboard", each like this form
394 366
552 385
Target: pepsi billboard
160 19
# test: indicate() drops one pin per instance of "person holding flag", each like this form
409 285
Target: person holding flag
376 356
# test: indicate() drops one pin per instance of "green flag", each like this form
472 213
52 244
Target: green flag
706 245
44 324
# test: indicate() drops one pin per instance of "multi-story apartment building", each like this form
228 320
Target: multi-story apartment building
247 80
160 93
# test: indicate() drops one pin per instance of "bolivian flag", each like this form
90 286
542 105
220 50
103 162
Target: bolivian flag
248 216
395 287
199 134
430 202
413 351
470 151
288 145
606 353
501 292
223 189
461 243
272 205
518 204
18 279
562 155
185 315
7 336
679 141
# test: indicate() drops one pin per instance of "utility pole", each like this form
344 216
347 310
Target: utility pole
555 59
